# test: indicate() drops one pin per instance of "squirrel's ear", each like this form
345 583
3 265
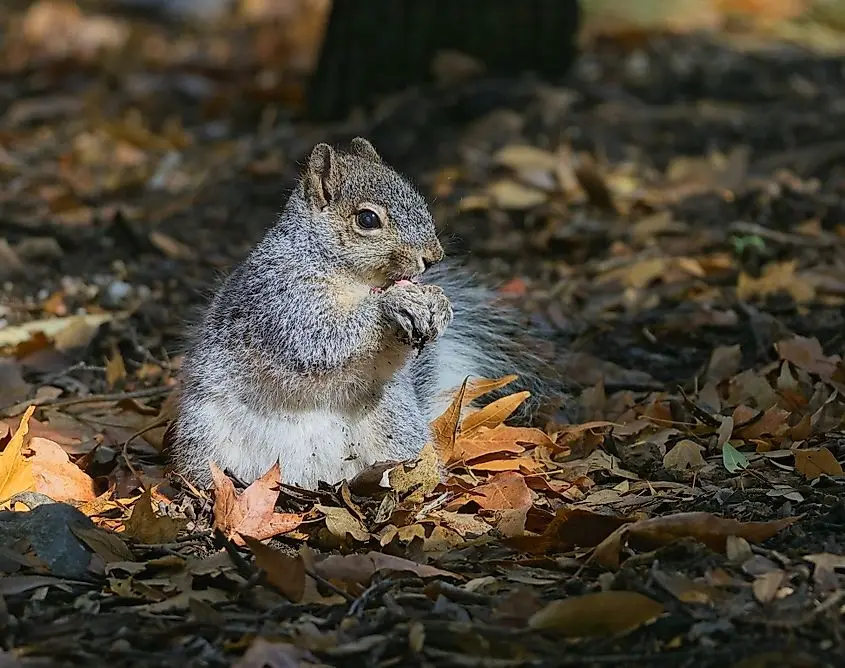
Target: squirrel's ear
364 149
321 176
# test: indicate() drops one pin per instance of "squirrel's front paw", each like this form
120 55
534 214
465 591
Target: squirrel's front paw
419 313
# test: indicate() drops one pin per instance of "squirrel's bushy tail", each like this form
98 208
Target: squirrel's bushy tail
487 339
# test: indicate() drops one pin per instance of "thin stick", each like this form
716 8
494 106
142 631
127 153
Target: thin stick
19 408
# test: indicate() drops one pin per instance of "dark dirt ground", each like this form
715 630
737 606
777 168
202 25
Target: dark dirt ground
158 252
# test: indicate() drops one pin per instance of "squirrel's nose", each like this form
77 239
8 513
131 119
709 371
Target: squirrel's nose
430 257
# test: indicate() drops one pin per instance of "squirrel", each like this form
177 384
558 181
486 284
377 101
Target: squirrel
340 336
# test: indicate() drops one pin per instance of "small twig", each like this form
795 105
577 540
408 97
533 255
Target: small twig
19 408
328 585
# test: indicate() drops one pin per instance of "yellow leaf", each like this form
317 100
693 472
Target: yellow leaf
601 614
115 368
16 471
146 527
813 463
775 278
494 413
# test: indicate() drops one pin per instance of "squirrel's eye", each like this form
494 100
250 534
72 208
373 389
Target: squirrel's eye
368 220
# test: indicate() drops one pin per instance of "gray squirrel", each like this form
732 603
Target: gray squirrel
340 336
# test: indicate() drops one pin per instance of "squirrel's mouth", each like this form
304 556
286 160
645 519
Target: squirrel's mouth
395 281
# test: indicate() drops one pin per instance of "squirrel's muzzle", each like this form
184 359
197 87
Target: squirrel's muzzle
430 256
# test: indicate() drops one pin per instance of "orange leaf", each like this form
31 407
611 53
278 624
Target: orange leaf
481 386
485 442
523 464
16 471
252 512
493 414
502 492
445 427
56 476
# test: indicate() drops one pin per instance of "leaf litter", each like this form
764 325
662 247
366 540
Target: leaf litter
698 461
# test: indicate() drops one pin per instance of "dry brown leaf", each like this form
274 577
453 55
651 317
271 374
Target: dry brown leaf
773 422
419 478
56 476
251 512
601 614
571 527
16 473
493 414
61 29
340 522
683 455
444 428
508 194
709 529
525 465
812 463
724 363
523 157
503 491
146 527
485 442
777 277
807 354
359 568
285 573
106 544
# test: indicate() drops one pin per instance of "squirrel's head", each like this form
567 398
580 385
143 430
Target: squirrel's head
379 227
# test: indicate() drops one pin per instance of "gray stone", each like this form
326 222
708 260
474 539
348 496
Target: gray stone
47 528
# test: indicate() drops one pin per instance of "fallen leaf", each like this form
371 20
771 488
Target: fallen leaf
52 328
502 492
709 529
776 277
146 527
493 414
16 473
508 194
444 428
814 462
252 511
766 586
683 455
419 478
571 527
807 354
285 573
115 368
56 476
340 522
106 544
600 614
478 387
522 157
732 459
360 568
724 363
485 441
